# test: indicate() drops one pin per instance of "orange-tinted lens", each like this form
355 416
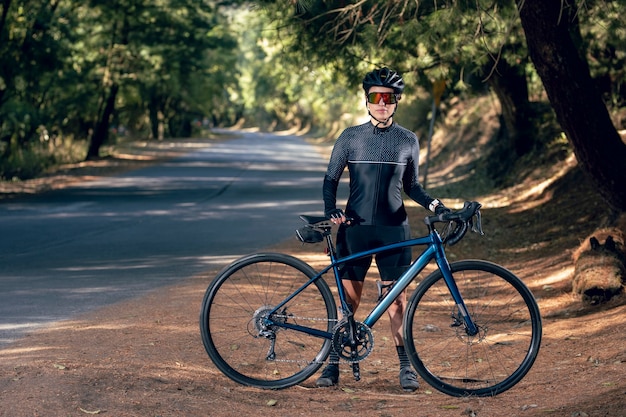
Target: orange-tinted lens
387 98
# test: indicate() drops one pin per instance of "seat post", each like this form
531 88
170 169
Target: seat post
330 246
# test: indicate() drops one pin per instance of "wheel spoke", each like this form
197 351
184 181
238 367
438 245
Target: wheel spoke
509 330
250 346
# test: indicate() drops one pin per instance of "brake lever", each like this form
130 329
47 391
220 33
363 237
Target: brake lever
476 225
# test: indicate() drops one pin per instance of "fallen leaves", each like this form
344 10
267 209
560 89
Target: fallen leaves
90 412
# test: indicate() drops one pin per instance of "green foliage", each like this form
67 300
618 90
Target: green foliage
174 63
24 163
280 86
34 158
60 60
459 41
604 43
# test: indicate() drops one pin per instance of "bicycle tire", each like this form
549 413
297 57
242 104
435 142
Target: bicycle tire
494 360
234 303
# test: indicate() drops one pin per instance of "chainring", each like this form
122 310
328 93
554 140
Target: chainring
364 341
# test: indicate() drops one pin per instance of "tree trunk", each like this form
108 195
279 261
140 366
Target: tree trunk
101 132
577 104
515 138
153 111
5 12
510 85
3 41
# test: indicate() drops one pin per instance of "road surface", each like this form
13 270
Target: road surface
69 251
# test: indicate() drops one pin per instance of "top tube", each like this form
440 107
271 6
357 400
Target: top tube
424 240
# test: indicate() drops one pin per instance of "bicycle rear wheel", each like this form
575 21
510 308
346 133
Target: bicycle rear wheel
486 364
235 332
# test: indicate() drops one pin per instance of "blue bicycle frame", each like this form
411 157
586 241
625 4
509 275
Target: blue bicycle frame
434 250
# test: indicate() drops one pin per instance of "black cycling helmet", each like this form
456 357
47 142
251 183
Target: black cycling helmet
384 77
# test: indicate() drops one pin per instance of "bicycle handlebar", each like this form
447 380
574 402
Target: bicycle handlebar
468 216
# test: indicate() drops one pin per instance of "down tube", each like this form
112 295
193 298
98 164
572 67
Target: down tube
403 282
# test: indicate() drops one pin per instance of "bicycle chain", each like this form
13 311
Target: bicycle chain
283 316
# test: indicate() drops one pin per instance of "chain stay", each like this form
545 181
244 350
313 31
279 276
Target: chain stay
343 361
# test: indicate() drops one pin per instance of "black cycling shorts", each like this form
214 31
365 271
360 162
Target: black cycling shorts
391 264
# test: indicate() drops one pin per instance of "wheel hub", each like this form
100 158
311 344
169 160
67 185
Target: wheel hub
258 324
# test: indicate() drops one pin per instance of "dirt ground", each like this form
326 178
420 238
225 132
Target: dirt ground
144 357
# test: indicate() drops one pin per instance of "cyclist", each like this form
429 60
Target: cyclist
382 158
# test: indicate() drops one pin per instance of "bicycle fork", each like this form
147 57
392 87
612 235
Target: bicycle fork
462 315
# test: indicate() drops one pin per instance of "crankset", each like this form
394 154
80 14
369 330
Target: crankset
353 343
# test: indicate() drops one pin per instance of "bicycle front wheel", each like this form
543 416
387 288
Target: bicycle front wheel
237 329
485 364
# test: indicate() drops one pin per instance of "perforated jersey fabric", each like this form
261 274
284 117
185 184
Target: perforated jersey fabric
381 163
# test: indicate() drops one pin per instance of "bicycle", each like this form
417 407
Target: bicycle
471 327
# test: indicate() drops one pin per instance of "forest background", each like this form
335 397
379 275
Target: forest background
76 77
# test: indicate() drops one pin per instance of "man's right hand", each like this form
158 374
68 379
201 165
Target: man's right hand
336 216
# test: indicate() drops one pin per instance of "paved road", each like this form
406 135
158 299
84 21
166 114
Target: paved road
68 251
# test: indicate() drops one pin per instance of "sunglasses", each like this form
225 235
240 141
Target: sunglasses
387 98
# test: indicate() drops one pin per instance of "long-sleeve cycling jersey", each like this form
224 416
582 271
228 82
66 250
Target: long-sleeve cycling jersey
381 163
